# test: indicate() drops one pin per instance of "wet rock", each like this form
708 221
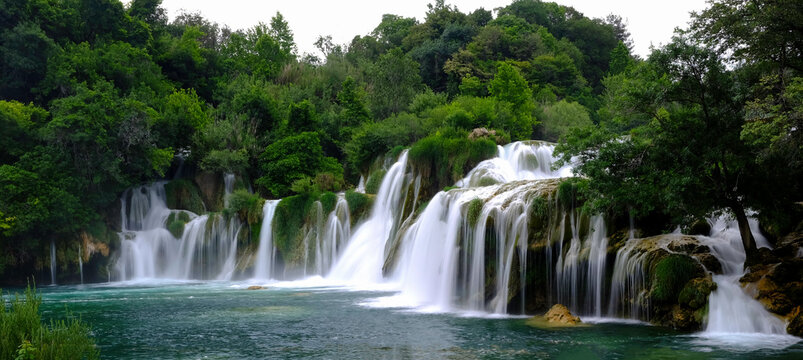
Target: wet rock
256 287
212 189
710 262
700 227
695 293
795 326
560 314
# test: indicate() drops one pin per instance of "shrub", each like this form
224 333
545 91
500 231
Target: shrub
359 204
248 206
328 201
572 192
23 336
225 161
288 220
448 154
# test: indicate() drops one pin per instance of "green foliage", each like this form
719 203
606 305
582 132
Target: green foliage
328 201
24 336
473 212
448 154
248 206
573 192
359 204
395 80
670 275
291 214
374 181
558 118
508 85
294 158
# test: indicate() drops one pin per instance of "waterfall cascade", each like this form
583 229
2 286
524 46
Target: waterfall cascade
266 253
52 262
81 264
206 248
729 298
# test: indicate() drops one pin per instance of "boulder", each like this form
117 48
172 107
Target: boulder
795 326
560 314
256 287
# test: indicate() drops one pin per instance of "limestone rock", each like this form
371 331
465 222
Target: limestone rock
560 314
795 326
256 287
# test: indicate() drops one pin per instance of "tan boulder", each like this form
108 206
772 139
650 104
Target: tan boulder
560 314
256 287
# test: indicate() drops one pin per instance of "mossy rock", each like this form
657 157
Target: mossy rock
473 211
670 275
182 194
700 227
359 204
795 326
695 292
211 189
328 202
374 181
176 222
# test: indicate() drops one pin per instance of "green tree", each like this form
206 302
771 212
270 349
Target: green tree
395 80
687 159
280 31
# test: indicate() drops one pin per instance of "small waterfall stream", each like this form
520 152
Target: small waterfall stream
53 262
206 249
266 253
729 298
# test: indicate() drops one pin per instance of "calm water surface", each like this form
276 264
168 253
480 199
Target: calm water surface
222 320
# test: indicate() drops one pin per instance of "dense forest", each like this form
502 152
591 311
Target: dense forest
98 96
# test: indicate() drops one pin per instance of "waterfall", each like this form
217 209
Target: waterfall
363 258
580 271
731 310
53 262
463 234
206 249
629 282
332 236
266 253
228 182
80 264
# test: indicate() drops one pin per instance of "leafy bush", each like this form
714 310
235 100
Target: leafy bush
225 161
294 158
572 192
248 206
558 118
670 275
23 336
359 204
448 155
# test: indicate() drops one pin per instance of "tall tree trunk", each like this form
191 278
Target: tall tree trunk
748 241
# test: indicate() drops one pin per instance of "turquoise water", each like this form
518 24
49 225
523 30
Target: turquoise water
222 320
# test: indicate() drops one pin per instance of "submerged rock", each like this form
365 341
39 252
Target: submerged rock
560 314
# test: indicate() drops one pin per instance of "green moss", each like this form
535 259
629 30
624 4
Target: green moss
473 212
695 293
446 189
359 204
291 214
328 201
670 275
184 195
374 181
176 228
448 154
571 192
395 151
248 206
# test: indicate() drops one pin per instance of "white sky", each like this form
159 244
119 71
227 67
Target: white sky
649 21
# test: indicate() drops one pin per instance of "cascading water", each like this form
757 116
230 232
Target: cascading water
228 187
266 253
442 265
580 271
206 249
731 310
80 264
52 262
362 261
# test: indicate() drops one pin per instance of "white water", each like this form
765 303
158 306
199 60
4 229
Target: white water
266 253
362 260
530 160
207 248
228 187
731 309
80 264
52 262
